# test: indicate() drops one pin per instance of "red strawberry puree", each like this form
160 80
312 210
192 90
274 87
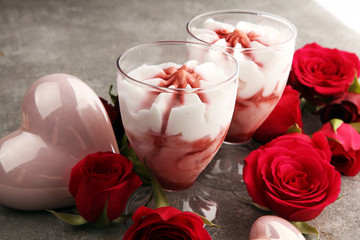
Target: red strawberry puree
241 129
237 36
175 161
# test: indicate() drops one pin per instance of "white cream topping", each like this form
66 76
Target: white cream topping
264 68
194 119
216 25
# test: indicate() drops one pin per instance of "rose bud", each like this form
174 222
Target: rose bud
344 142
292 176
322 74
101 178
286 113
166 223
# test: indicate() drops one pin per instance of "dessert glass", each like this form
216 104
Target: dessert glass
176 103
263 44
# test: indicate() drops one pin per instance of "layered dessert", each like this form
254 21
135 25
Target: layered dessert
264 55
176 117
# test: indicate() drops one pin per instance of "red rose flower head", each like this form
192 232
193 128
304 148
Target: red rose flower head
292 176
322 74
99 178
344 142
346 107
285 114
166 223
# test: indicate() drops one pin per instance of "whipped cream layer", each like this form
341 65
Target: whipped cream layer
196 114
262 67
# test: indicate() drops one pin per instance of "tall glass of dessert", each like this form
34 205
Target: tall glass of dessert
176 102
263 44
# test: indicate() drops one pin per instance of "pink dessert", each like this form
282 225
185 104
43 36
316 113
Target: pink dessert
264 67
176 126
175 162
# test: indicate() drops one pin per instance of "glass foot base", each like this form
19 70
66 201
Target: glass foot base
225 170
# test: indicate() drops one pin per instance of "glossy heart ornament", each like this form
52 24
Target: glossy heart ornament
274 227
63 120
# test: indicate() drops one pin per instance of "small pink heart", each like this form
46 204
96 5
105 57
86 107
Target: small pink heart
63 120
274 227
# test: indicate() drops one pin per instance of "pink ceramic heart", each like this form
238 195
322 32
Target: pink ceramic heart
63 120
273 227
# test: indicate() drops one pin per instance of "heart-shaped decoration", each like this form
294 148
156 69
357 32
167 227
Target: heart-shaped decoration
274 227
63 120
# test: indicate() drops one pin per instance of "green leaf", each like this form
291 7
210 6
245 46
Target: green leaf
69 218
138 167
333 139
305 228
206 221
252 203
103 220
339 197
355 125
149 199
336 123
159 195
355 85
306 107
123 218
112 96
294 129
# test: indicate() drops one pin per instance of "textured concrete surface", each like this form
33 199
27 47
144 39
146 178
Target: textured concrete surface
84 38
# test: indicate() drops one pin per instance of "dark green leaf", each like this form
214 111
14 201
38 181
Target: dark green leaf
333 139
206 221
252 203
294 129
69 218
159 195
123 218
355 125
112 96
138 167
339 198
305 228
305 106
103 220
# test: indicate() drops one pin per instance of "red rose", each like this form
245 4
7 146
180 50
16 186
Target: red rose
166 223
99 178
286 113
344 142
346 108
320 74
292 176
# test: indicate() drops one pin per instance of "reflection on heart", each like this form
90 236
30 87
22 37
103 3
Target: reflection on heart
63 120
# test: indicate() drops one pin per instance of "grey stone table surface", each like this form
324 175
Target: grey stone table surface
84 38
